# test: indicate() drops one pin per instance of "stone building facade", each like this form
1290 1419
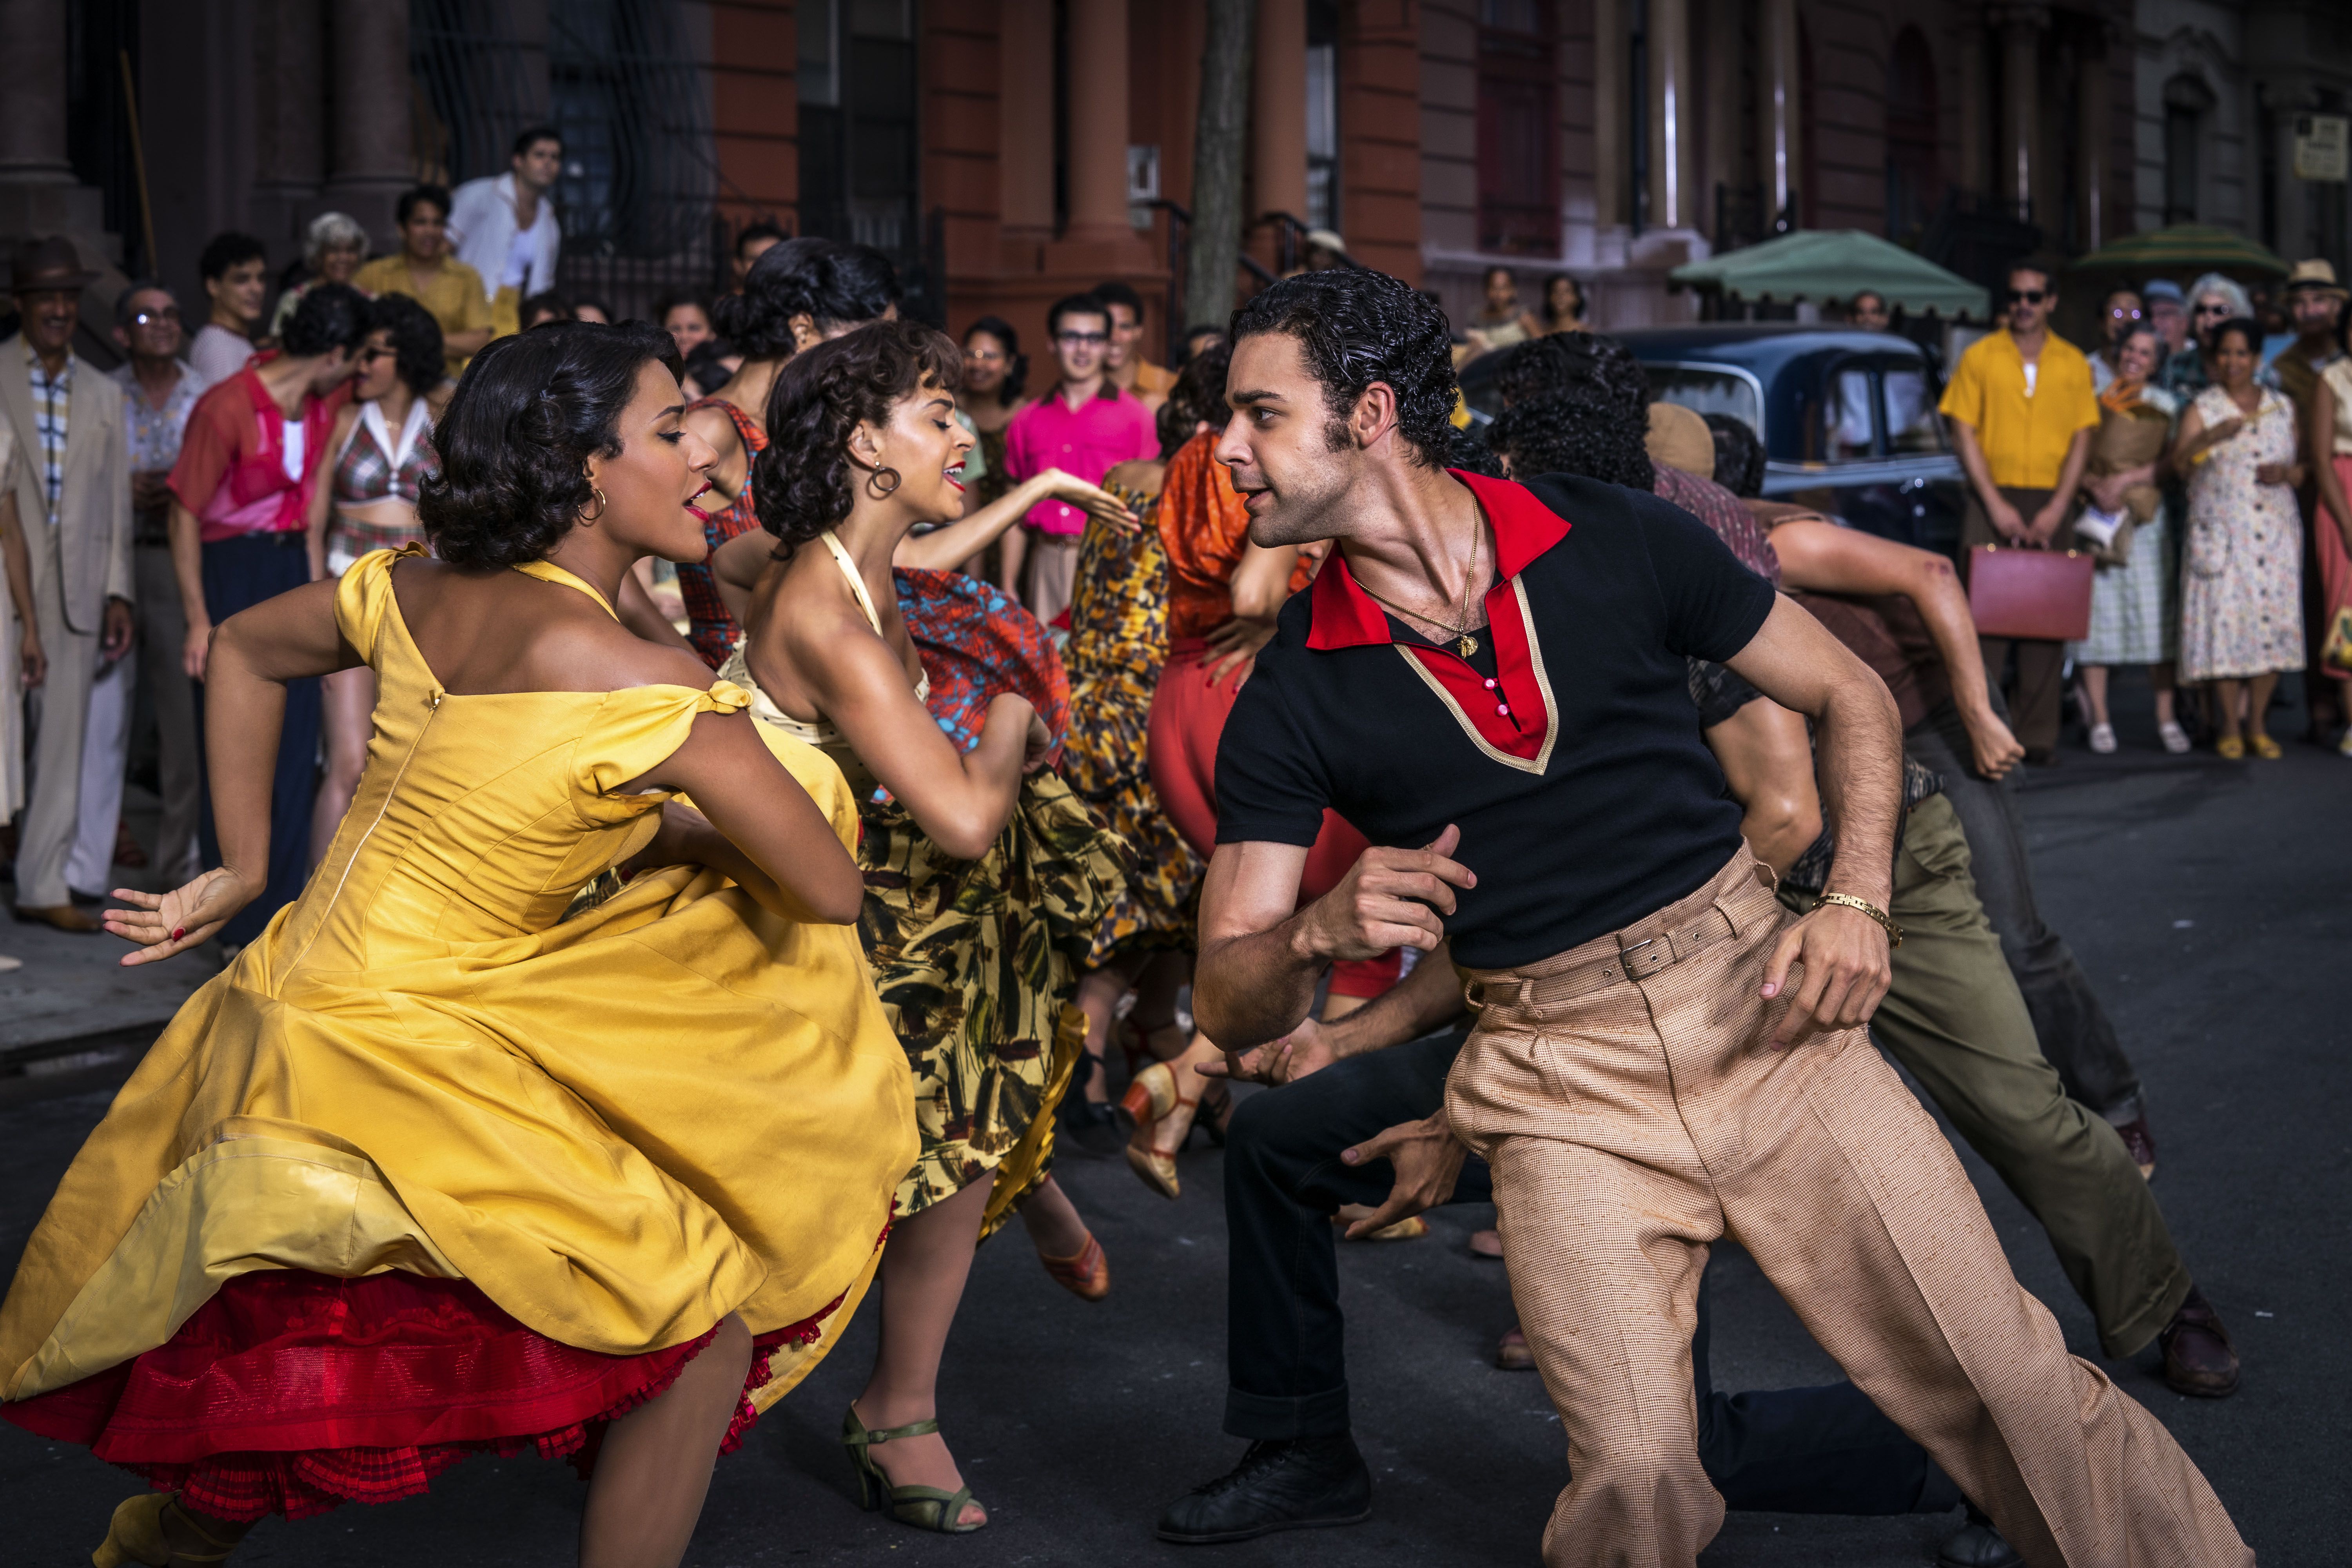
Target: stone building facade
1009 151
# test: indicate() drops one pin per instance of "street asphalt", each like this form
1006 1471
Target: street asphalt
2207 900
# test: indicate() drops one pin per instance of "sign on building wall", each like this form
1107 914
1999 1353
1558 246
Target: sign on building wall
2323 146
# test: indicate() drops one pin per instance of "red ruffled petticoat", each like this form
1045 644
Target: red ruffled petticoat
292 1393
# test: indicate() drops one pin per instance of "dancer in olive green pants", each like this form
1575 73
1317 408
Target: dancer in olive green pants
1955 1020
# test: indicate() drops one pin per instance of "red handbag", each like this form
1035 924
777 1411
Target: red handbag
2043 595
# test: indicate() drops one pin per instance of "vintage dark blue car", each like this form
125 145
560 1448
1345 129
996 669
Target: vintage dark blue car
1848 418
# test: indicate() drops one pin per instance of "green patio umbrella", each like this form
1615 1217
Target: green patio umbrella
2183 251
1835 264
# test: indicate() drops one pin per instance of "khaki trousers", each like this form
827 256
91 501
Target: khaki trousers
56 711
1053 571
1629 1127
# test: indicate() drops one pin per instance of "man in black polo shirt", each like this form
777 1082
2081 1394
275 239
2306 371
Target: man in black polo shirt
1495 674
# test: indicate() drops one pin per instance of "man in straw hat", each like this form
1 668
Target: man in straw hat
73 500
2315 301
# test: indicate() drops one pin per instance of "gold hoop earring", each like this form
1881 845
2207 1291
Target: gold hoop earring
600 504
881 488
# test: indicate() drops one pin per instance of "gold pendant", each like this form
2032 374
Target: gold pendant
1466 646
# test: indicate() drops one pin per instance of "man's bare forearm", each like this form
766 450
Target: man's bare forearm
1421 1003
2070 477
1247 990
1860 747
1973 464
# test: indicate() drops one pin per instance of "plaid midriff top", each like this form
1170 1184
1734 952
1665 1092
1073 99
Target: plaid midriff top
374 466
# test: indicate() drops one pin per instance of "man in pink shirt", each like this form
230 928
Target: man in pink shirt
1085 426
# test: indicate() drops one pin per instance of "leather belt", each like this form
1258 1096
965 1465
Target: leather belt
1632 961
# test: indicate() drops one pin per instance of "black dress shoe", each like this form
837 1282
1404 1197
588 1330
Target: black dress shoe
2199 1358
1303 1483
1976 1544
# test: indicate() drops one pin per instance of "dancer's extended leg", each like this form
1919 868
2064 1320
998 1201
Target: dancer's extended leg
654 1466
924 1267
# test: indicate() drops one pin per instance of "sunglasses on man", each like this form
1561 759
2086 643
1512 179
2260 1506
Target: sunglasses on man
2028 296
2123 315
2212 310
149 317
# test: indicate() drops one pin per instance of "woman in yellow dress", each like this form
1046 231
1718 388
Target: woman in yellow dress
429 1169
985 876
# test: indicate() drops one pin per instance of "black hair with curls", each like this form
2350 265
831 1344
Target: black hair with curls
833 284
530 412
1471 453
435 197
2244 327
1560 361
416 340
1738 455
1356 326
1016 364
1583 429
1075 305
1197 398
223 251
332 315
805 482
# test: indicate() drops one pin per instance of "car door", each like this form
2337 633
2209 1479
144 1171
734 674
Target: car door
1856 435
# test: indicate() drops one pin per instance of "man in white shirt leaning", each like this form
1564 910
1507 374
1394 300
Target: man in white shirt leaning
505 227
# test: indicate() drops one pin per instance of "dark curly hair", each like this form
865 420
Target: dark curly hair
432 195
1198 397
1471 452
833 284
330 316
2244 327
1738 454
805 482
416 340
1356 326
1581 430
1559 360
529 413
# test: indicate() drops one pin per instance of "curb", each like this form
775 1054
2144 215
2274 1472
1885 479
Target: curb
73 1064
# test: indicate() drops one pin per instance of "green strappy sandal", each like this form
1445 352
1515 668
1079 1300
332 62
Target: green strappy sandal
925 1508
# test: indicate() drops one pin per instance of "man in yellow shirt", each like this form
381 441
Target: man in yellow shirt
426 270
2021 412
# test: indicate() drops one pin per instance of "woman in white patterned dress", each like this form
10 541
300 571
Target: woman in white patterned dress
2134 609
2242 601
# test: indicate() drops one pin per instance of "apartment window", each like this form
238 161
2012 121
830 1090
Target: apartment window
1912 179
1519 129
858 151
1322 114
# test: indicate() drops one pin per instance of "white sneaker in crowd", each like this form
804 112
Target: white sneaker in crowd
2175 739
2103 738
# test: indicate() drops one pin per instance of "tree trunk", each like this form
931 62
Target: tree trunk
1220 143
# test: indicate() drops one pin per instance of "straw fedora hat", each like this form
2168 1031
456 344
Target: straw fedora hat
42 264
2318 276
1680 440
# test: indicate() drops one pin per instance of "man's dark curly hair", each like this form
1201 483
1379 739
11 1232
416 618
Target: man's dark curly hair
805 483
1472 453
1560 361
1582 431
416 340
1198 397
529 413
1738 454
832 283
1355 327
330 316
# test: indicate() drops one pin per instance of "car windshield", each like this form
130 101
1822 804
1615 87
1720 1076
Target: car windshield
1849 408
1703 389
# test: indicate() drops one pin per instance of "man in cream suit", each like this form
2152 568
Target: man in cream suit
73 501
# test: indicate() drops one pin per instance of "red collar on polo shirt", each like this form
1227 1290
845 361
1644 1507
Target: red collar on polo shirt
1512 719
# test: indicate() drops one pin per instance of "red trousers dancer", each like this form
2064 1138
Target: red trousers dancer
1222 593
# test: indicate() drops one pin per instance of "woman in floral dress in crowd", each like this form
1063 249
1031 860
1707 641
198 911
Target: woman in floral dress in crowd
2242 598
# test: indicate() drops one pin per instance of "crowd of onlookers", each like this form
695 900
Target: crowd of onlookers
2203 451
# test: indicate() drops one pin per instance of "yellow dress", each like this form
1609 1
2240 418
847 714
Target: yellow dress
619 1127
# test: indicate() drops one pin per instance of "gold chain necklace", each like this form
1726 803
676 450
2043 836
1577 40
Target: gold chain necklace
1463 643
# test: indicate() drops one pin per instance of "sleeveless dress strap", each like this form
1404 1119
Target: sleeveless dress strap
548 572
856 583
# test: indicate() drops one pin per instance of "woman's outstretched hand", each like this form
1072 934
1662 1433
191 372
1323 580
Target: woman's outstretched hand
163 924
1054 484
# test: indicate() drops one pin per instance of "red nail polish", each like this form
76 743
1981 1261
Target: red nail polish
179 931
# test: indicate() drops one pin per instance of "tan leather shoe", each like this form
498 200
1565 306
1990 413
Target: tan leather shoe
62 917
